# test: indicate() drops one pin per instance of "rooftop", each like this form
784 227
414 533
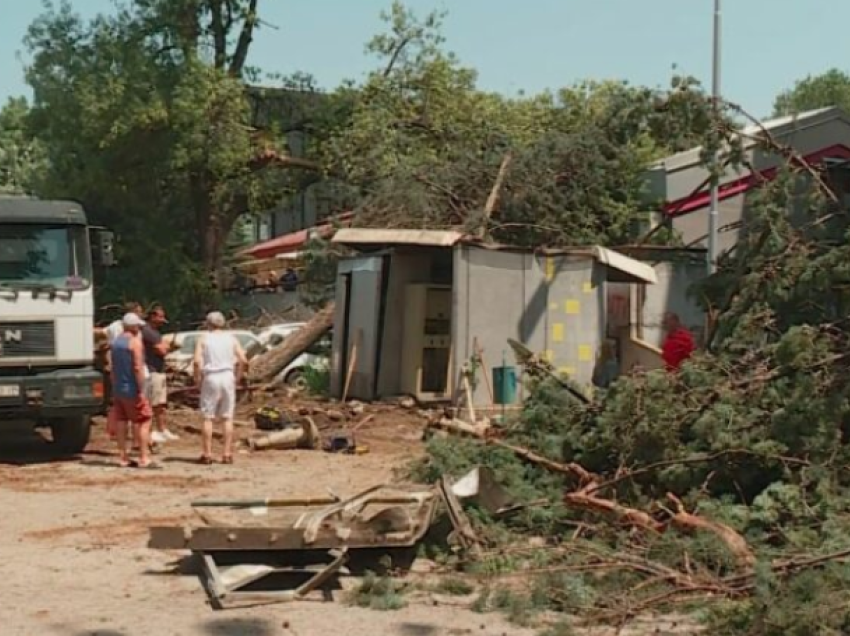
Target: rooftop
778 126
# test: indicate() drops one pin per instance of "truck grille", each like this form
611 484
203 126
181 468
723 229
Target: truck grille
27 339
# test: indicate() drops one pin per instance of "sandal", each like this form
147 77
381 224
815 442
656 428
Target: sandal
227 459
205 460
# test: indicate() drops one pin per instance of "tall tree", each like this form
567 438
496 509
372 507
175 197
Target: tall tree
815 91
426 148
22 159
145 117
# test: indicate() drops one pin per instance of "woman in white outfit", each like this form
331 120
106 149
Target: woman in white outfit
219 362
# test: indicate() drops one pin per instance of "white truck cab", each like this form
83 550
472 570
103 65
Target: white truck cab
47 374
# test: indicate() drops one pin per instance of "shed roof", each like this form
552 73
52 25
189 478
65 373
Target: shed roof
632 268
424 238
629 269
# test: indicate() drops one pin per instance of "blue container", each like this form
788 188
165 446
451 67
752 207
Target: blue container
504 385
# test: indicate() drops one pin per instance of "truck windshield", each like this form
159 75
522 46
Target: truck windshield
44 256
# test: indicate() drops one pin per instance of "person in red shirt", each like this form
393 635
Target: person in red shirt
679 343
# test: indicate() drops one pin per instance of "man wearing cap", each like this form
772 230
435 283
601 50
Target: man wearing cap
113 331
155 352
130 406
219 362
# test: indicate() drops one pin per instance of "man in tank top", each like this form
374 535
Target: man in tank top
130 406
219 362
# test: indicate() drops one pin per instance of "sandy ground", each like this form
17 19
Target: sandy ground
74 533
74 556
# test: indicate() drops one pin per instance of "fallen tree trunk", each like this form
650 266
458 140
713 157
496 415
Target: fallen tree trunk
266 366
630 516
736 544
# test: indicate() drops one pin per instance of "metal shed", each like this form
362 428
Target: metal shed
413 305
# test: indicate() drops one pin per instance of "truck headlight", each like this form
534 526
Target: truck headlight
83 391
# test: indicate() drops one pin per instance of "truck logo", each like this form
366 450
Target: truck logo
12 335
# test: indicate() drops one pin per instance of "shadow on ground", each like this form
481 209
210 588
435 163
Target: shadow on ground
21 445
240 627
417 629
215 627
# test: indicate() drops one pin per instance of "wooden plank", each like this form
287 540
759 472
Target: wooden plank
169 538
465 533
331 570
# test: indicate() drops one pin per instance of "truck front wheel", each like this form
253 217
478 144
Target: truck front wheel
71 435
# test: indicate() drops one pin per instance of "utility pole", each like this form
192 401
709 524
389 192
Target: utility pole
713 212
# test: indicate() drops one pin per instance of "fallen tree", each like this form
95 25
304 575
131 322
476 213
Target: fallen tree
267 366
744 453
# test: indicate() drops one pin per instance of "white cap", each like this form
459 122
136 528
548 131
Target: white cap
216 319
132 320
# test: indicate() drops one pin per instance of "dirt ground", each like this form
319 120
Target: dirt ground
74 532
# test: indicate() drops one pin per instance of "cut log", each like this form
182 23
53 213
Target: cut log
306 436
265 367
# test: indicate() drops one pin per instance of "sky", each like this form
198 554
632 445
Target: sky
533 45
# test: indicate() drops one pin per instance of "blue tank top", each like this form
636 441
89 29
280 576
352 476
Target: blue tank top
123 377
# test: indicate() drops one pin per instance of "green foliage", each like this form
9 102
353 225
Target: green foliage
812 603
454 586
317 380
831 88
153 134
379 593
22 159
318 280
424 146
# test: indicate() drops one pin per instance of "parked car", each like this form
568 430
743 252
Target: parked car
182 360
317 357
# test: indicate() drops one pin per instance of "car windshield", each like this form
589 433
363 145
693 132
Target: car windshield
51 256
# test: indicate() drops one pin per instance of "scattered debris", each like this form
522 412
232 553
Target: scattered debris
319 533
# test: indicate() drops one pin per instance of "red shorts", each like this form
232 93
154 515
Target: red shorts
134 410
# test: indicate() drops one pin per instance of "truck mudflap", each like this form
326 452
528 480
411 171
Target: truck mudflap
55 393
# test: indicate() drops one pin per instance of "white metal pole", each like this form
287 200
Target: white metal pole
715 183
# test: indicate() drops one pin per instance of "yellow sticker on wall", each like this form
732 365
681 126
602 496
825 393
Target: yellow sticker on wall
587 287
558 332
550 268
585 353
572 307
549 355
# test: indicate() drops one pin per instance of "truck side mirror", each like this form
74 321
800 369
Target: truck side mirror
103 247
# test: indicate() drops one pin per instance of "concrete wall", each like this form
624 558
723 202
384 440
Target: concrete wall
637 353
635 312
551 304
363 314
693 227
671 293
